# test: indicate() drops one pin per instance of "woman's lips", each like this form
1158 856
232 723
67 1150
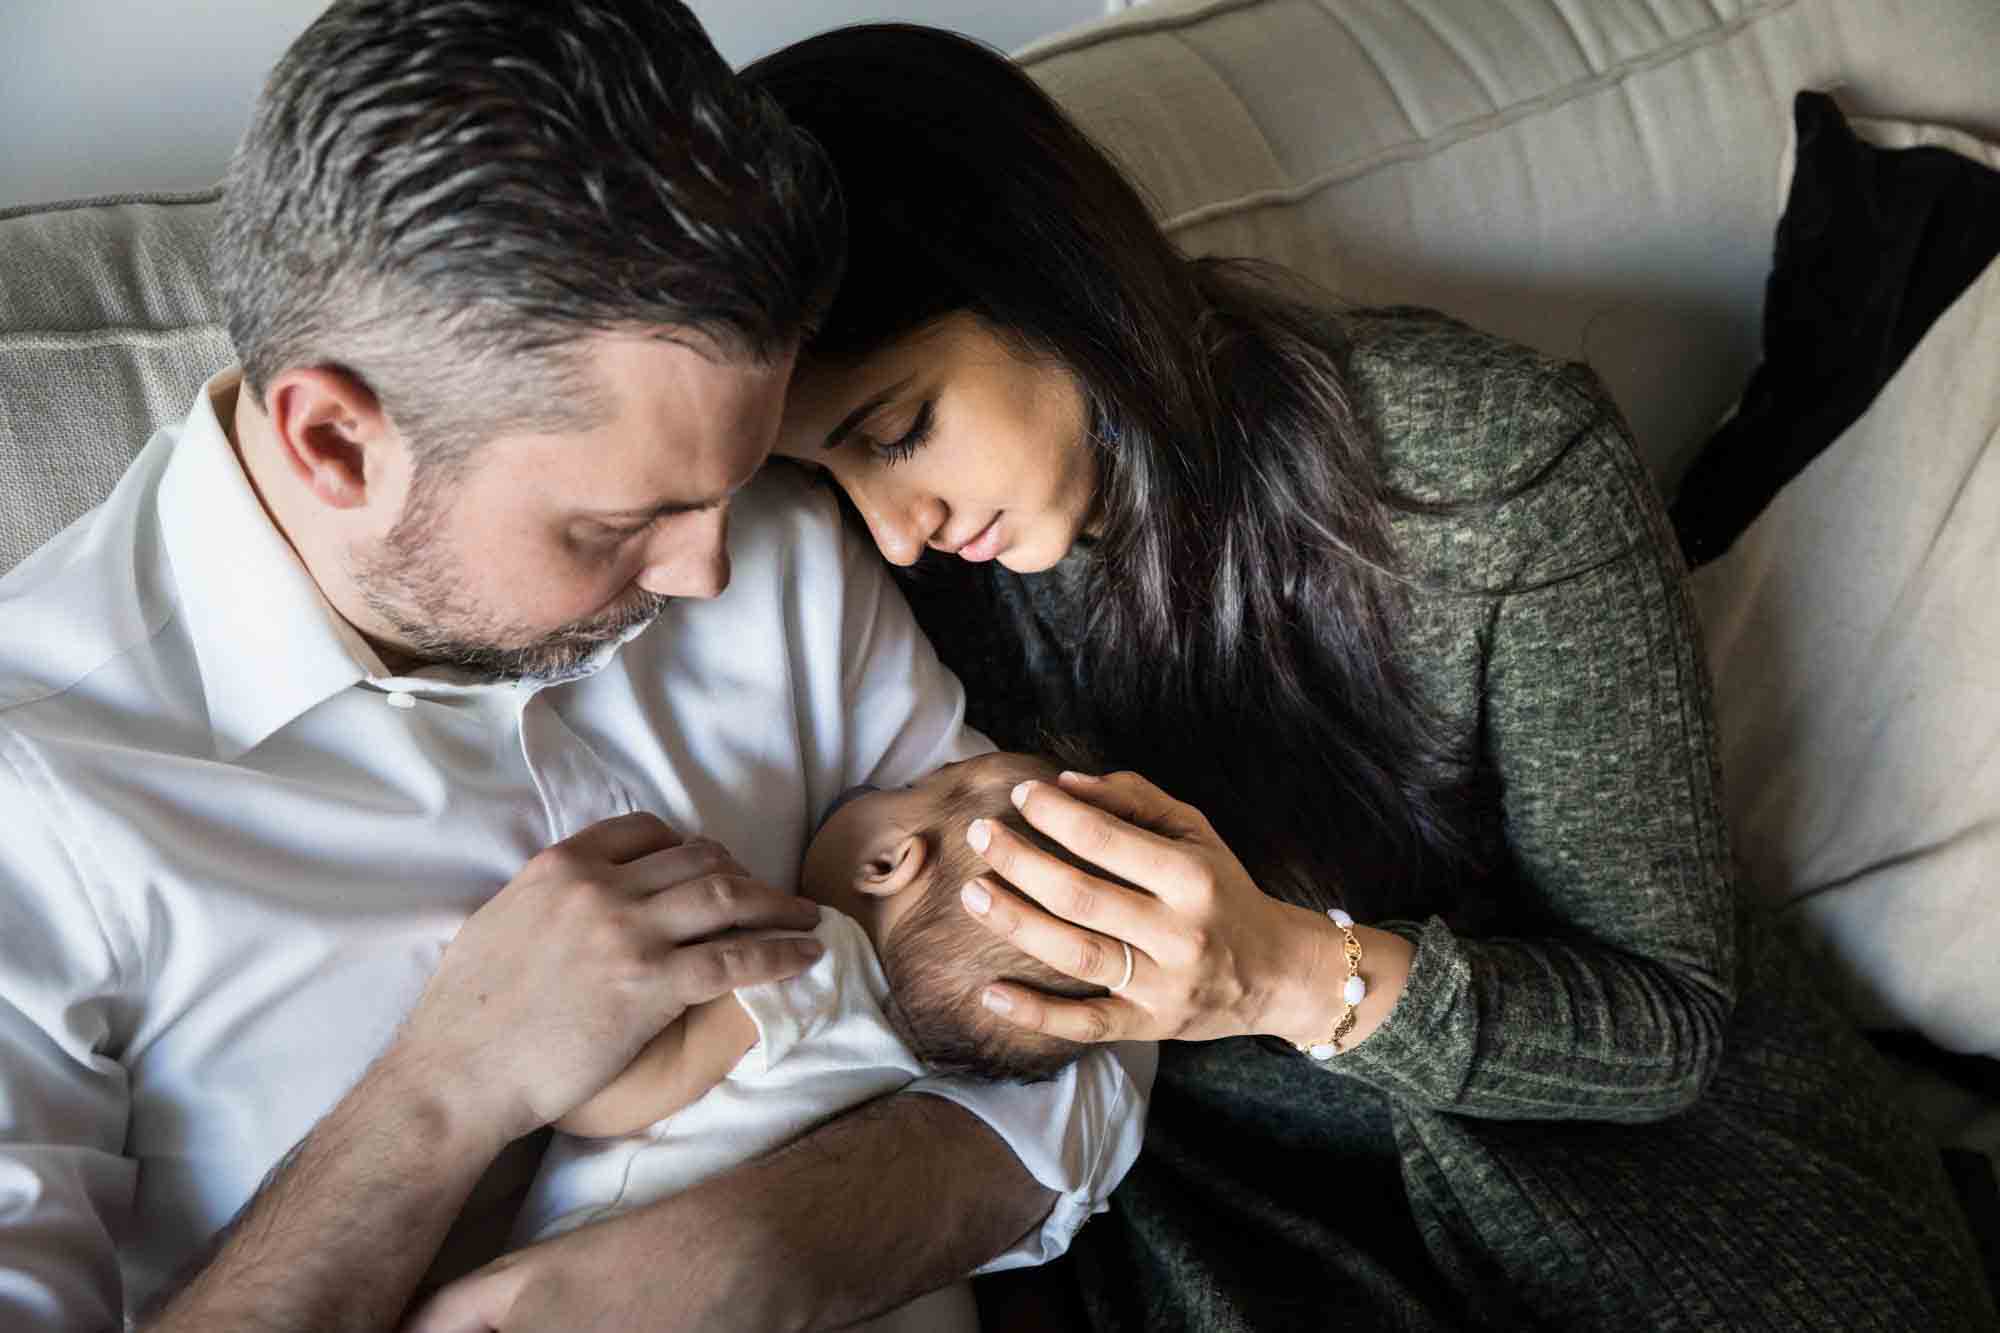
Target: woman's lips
984 546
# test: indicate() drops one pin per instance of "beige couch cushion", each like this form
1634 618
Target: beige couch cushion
1854 635
1594 177
108 322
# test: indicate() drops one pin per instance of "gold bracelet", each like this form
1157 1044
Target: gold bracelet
1352 991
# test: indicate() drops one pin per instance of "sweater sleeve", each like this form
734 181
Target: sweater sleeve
1603 990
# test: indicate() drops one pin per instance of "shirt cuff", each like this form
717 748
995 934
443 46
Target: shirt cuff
1077 1134
1414 1054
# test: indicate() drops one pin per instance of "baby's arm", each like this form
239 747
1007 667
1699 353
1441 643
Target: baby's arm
689 1056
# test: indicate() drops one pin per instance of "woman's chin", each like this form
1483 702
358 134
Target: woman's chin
1033 555
1026 559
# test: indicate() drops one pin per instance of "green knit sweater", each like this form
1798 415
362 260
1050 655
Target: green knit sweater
1623 1103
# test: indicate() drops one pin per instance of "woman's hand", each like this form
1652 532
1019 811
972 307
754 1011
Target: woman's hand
1211 954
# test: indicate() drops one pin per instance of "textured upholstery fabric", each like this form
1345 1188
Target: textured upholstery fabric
108 322
1597 178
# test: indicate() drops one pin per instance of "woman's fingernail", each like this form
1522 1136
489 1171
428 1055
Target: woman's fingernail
1019 796
997 1002
1071 775
976 899
977 835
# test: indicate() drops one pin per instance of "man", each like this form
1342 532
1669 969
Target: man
419 606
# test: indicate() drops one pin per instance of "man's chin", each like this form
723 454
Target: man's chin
560 652
558 657
552 657
571 650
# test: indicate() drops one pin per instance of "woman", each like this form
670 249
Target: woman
1391 608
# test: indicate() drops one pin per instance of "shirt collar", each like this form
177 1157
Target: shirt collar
270 646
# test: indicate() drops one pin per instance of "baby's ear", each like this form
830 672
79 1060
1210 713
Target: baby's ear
894 864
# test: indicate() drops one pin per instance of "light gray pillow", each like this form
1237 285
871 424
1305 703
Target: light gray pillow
1854 635
109 322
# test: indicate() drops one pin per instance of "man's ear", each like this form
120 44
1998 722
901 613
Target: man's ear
331 431
893 864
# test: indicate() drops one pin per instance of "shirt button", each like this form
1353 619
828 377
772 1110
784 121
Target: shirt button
401 700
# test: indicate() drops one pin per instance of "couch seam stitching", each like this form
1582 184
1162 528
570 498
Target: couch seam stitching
163 199
72 340
1367 52
1477 77
1114 31
1214 71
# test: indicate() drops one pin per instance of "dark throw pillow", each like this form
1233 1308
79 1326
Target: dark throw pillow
1873 246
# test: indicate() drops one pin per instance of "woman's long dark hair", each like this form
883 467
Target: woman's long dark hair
1243 634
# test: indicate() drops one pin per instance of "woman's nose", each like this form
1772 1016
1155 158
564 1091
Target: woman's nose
903 526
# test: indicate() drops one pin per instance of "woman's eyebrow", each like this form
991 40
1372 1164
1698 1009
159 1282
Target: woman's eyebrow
846 427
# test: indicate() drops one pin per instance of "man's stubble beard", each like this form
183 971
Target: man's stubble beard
416 589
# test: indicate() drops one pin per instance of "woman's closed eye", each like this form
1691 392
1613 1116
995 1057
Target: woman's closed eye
900 449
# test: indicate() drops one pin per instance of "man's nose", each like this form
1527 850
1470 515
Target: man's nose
691 558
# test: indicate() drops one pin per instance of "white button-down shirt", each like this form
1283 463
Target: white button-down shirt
234 847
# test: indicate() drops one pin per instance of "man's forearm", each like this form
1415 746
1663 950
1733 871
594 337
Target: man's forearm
872 1210
343 1229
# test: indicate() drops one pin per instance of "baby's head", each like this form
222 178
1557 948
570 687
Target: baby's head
895 860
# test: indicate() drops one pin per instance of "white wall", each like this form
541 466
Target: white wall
110 96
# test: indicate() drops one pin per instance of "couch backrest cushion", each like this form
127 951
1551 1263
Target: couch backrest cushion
1595 177
108 324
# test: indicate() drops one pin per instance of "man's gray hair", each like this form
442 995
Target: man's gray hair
442 197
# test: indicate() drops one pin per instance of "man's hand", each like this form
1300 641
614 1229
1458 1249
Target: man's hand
552 987
582 1279
545 994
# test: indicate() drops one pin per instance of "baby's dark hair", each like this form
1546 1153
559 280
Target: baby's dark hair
938 959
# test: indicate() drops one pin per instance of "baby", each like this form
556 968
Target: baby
894 996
